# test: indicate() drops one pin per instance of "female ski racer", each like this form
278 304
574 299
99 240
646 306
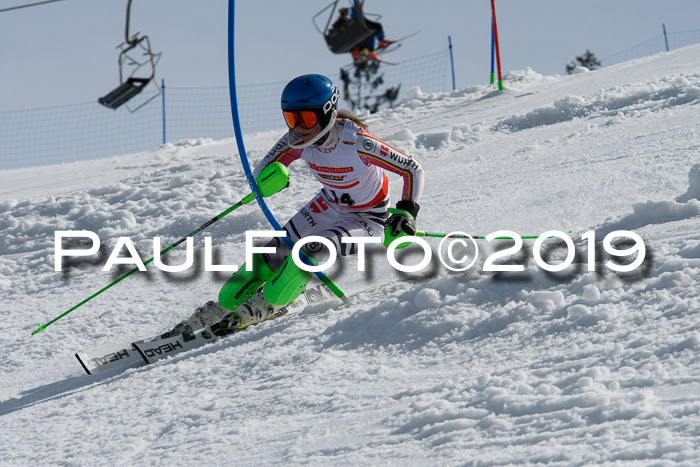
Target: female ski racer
349 162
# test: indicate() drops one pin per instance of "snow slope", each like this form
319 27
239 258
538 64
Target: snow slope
431 368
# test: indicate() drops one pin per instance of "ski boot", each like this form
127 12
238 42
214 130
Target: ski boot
231 323
383 44
203 316
256 310
253 311
180 328
244 284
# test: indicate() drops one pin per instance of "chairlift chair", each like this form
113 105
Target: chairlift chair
132 85
348 36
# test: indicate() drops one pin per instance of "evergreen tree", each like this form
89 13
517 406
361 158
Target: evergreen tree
360 90
588 60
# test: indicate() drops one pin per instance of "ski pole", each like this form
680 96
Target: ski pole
271 180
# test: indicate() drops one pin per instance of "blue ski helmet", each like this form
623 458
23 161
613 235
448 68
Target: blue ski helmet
312 92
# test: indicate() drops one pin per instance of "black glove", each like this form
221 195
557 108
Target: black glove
402 221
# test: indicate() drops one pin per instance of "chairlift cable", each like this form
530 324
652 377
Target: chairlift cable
28 5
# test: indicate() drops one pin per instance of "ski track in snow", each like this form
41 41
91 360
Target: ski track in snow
436 368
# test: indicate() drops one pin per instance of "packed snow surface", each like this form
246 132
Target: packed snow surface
430 368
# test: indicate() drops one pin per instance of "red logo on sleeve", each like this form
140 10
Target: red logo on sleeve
318 205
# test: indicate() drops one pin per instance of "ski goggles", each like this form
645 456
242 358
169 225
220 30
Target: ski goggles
306 119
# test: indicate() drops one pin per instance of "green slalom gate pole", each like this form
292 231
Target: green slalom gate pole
274 178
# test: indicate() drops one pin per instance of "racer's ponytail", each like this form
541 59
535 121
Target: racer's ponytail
349 116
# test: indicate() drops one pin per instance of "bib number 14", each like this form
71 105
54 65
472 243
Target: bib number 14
345 199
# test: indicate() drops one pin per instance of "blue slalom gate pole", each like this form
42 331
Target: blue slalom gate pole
162 85
452 63
244 156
